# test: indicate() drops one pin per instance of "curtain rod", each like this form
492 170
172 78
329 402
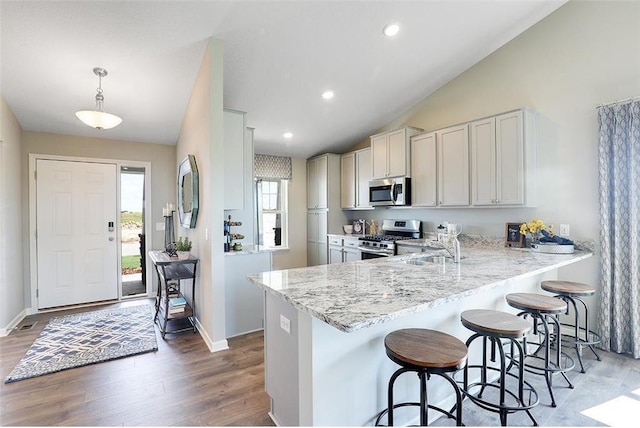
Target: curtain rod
619 101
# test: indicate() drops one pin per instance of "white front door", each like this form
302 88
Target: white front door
76 215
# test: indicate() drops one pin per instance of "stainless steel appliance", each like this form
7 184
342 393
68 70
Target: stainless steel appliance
394 191
384 245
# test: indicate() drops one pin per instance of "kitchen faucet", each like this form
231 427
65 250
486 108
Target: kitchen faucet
453 249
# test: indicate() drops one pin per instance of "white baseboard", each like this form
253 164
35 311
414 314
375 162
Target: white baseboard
220 345
13 323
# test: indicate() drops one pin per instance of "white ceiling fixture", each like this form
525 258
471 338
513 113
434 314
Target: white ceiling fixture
288 135
391 30
98 118
327 95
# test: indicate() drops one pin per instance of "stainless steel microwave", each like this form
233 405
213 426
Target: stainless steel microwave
395 191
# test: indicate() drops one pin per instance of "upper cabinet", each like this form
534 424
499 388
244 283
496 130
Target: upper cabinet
390 152
503 160
453 166
355 173
235 148
423 170
317 179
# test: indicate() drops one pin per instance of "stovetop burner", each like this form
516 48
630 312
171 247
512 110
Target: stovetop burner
381 238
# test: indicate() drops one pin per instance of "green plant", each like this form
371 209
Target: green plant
183 244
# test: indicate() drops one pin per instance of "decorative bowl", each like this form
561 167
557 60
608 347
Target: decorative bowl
348 229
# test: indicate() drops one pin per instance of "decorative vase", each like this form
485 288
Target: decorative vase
183 255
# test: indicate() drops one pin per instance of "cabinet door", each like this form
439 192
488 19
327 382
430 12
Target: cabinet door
312 227
483 162
379 155
321 218
312 253
363 175
397 153
312 184
510 159
348 180
335 254
453 166
234 147
321 177
423 170
351 255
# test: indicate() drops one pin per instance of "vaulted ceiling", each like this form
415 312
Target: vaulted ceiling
279 58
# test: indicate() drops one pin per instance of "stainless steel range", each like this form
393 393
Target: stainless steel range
384 245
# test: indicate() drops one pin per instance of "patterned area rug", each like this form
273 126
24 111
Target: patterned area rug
88 338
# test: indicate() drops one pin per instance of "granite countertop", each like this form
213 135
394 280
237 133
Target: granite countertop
355 295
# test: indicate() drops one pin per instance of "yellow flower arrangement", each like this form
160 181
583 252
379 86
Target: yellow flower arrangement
534 228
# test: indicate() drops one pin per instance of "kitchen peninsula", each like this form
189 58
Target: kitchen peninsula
325 325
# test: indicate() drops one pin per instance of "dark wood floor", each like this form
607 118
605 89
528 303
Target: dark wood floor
180 384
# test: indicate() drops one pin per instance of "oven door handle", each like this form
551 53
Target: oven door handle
372 251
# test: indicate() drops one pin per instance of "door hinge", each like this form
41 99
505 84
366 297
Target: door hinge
35 174
37 292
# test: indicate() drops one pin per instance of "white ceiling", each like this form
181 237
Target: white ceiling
279 57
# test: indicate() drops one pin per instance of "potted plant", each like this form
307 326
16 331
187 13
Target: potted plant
183 248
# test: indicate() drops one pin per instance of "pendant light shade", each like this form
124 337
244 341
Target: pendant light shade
98 118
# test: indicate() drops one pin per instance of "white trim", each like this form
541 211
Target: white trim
14 322
220 345
33 260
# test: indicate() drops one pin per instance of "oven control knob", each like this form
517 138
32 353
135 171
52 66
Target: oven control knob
383 245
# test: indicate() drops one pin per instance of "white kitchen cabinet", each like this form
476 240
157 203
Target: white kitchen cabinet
453 166
355 173
317 179
503 160
424 170
235 147
343 249
323 191
316 237
391 152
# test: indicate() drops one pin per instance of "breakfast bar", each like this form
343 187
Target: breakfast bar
325 325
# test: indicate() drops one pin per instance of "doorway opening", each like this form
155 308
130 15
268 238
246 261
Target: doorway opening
132 231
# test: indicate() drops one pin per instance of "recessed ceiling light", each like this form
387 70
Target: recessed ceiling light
327 95
391 30
287 135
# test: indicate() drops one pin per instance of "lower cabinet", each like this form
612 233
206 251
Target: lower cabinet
316 237
343 249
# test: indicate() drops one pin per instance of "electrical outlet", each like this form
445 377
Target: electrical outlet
564 230
159 226
285 324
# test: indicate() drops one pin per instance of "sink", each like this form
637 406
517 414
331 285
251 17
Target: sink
426 259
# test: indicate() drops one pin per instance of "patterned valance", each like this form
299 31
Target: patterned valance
272 167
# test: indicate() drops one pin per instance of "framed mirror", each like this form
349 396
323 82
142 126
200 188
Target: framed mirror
188 192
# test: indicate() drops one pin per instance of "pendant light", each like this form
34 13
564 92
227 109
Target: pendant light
98 118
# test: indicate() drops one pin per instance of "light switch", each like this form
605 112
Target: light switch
564 230
160 226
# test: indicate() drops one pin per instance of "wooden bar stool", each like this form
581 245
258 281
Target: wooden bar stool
494 326
572 293
543 310
425 352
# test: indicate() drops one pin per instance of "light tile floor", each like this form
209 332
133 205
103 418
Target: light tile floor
606 395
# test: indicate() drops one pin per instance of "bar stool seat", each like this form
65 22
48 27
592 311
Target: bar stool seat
572 293
426 352
543 310
495 326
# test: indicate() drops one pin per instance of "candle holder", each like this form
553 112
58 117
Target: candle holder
169 235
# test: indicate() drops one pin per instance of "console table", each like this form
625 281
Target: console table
171 271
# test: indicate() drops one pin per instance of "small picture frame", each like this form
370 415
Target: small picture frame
512 236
